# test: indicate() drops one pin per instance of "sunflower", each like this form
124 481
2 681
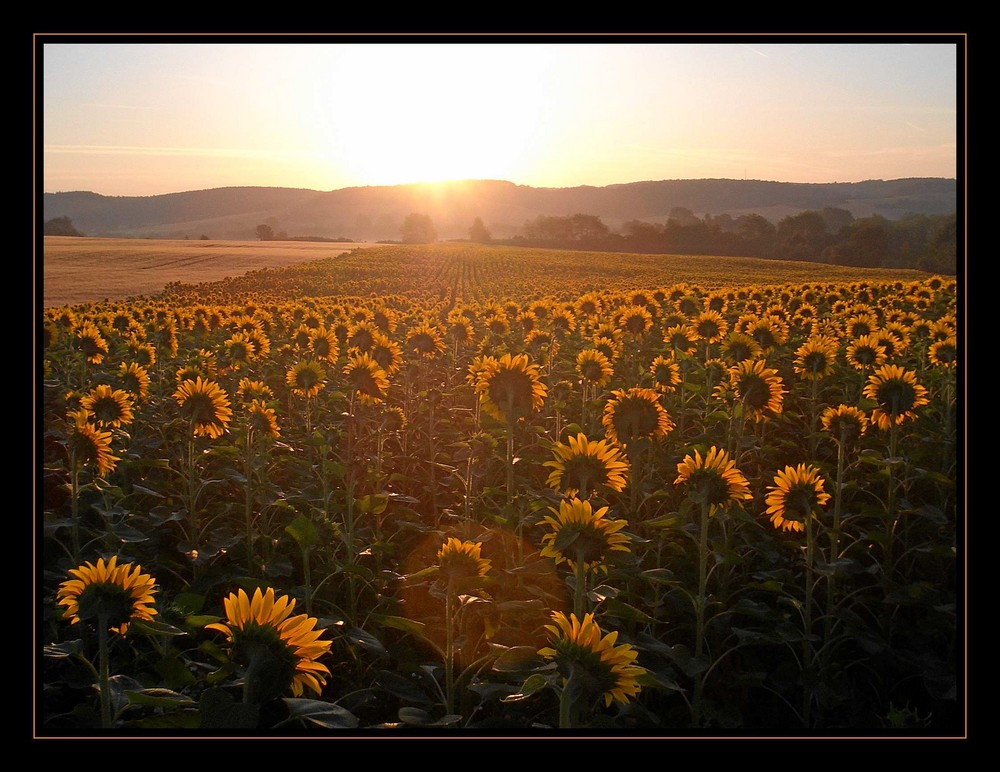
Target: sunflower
119 592
710 326
91 343
797 492
738 347
943 353
460 330
425 341
249 390
897 393
769 331
562 322
578 531
814 359
262 628
582 467
262 419
666 372
387 353
681 338
497 324
635 414
306 379
861 324
323 345
111 408
713 480
510 387
581 648
636 321
369 382
594 367
206 405
608 346
239 349
845 423
758 387
135 378
460 561
90 445
361 336
865 353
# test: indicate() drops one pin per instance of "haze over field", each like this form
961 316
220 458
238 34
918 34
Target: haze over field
134 118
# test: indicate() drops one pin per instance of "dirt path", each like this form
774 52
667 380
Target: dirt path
75 270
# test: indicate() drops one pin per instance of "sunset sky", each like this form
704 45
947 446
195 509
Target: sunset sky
134 118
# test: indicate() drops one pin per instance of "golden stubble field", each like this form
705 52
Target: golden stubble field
81 269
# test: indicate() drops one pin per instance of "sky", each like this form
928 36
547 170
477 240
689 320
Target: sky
128 117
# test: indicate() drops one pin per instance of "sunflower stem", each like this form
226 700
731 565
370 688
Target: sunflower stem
104 678
807 663
449 651
75 504
581 583
248 504
565 708
835 535
699 642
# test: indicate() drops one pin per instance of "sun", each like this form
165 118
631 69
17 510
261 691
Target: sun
440 116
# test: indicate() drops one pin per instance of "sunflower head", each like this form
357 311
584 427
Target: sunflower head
461 561
795 496
758 387
425 341
897 393
866 353
369 382
510 387
943 353
306 379
205 404
710 326
278 650
816 358
262 420
666 372
89 445
116 593
845 423
582 652
635 415
579 532
594 367
713 480
110 408
582 467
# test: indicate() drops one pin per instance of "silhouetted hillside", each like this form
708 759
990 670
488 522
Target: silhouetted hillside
372 213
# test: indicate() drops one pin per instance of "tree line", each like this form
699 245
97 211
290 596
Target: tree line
831 235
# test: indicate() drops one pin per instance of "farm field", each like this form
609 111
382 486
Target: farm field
79 270
458 488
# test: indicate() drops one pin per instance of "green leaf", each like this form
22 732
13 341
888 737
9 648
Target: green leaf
401 623
153 628
128 534
400 686
373 503
179 719
188 603
158 698
219 710
518 659
664 521
303 531
64 649
366 641
319 713
534 683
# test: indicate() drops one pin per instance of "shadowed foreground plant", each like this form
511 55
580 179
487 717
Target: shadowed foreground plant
593 668
278 651
109 596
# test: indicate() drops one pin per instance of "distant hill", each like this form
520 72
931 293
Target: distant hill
374 213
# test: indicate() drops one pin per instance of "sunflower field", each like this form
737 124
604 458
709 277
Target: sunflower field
457 489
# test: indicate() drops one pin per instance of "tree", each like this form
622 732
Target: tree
265 232
60 226
418 229
479 233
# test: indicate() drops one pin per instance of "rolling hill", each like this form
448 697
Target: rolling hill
374 213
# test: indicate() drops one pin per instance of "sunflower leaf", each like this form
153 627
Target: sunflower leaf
303 531
152 627
319 713
158 698
534 683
